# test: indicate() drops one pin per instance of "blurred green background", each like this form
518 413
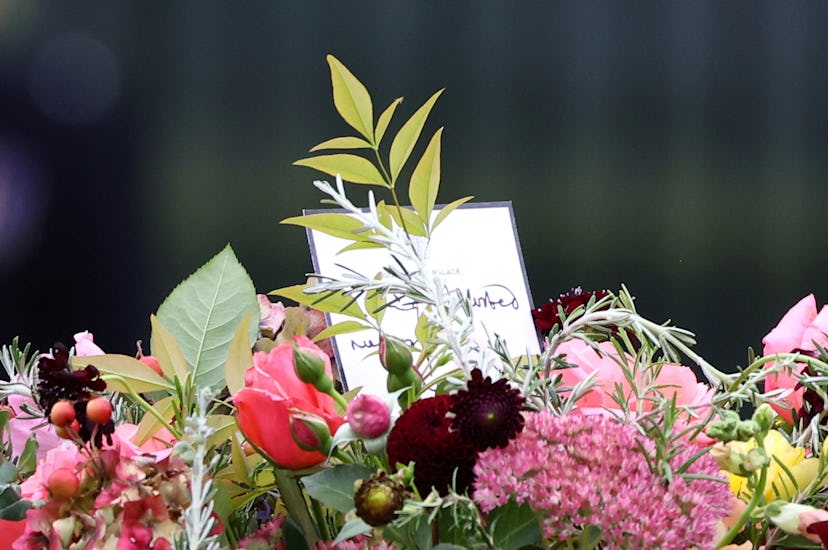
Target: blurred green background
676 147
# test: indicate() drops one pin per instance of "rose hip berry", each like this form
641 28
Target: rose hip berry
152 363
99 410
62 413
62 484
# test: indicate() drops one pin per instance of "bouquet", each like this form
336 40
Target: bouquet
232 429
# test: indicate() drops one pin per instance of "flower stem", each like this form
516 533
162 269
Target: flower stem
296 505
758 496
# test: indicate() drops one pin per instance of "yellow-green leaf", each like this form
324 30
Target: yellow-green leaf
168 352
344 327
425 180
351 98
359 245
385 119
239 462
149 423
352 168
375 302
447 209
347 142
325 302
413 224
224 426
339 225
406 138
119 369
239 357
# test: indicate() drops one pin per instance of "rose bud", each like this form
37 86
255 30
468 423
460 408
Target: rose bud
368 416
310 432
310 368
395 355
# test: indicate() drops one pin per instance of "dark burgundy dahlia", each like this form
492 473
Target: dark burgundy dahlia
487 414
423 434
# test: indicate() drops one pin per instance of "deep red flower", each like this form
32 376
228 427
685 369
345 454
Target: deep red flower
423 435
487 414
547 315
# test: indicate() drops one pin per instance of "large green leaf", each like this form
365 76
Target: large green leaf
407 137
149 424
425 180
239 358
352 168
514 526
351 98
203 312
335 486
119 369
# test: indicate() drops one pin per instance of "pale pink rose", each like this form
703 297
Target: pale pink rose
159 446
799 328
64 456
672 380
85 344
22 427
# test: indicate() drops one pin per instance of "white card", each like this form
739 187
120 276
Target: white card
475 249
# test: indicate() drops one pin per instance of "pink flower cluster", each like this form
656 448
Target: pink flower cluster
579 470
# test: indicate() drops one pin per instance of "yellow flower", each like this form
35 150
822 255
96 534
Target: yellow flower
779 484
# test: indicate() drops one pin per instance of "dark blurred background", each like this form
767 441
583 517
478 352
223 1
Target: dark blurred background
676 147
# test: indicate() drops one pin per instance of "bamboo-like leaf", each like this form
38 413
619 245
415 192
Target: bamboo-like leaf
347 142
241 473
224 426
149 424
351 98
425 180
239 357
413 224
448 209
339 225
137 375
352 168
167 351
375 304
406 138
203 312
385 119
360 245
334 303
345 327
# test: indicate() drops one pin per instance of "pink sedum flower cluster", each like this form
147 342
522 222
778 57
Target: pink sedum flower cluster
579 470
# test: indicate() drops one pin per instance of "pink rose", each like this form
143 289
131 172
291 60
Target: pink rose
273 394
799 328
85 344
672 380
159 446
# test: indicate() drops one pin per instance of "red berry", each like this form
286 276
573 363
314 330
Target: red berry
62 413
152 363
62 484
99 410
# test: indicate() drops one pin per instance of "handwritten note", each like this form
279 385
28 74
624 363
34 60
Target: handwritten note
475 250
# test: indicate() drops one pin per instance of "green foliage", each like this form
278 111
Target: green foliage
203 313
329 302
12 507
121 371
514 526
335 486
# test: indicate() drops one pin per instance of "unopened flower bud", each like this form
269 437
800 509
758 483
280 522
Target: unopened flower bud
310 368
795 518
395 355
368 416
747 429
378 498
754 460
724 429
310 432
763 416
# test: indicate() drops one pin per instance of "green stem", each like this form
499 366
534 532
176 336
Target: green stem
340 401
296 505
758 496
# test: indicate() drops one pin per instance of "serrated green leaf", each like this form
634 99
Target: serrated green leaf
448 209
351 99
239 357
335 486
385 119
325 302
149 424
203 312
407 137
346 142
339 225
351 529
114 367
425 180
345 327
167 351
352 168
514 526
